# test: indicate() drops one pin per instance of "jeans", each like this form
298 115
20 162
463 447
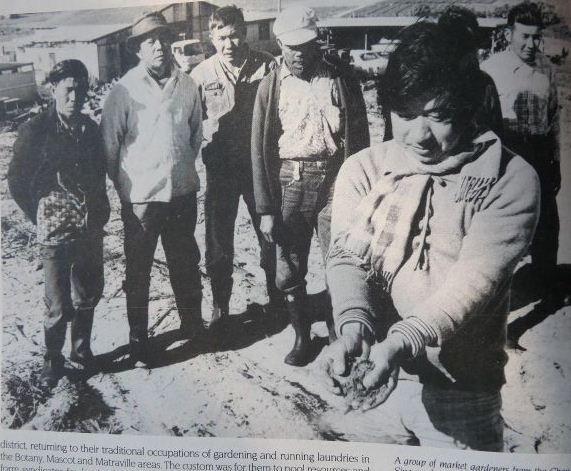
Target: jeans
174 222
73 275
307 194
223 190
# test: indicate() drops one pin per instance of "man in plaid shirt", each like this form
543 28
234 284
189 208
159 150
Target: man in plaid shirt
528 95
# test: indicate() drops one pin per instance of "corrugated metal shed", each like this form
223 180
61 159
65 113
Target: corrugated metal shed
392 21
66 34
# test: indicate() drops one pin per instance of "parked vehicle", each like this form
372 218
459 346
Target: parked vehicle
188 53
368 64
385 46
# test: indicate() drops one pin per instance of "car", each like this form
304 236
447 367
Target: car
367 64
188 53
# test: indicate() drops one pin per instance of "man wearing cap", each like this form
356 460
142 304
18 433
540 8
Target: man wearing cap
228 82
152 130
308 117
57 177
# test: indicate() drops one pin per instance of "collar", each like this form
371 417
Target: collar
229 69
516 63
320 71
62 127
144 73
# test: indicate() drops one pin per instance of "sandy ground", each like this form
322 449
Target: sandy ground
240 387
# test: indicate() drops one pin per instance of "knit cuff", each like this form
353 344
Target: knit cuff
354 315
417 333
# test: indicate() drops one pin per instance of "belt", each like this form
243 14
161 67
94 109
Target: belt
299 165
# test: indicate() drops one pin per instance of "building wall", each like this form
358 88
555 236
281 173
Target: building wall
45 57
20 85
113 56
260 35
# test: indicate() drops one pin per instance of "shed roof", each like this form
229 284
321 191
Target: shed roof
251 16
11 65
64 34
392 21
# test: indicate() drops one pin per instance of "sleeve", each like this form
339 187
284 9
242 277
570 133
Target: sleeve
195 123
491 110
19 172
102 208
114 128
260 172
352 296
358 122
553 117
499 234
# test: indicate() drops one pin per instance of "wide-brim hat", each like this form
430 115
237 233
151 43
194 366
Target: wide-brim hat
296 25
146 24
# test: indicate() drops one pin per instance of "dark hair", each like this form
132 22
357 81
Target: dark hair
425 66
528 14
462 26
68 68
229 15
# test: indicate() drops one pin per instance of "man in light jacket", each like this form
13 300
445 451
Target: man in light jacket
152 129
228 82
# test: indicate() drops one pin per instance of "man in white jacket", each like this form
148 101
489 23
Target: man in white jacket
152 131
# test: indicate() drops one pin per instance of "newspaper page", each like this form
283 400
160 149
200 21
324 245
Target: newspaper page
202 349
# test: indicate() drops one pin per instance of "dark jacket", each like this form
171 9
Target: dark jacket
42 150
266 130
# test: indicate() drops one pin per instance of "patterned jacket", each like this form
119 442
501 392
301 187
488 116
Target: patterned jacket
58 180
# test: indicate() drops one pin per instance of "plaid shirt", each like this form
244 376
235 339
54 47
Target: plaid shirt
528 95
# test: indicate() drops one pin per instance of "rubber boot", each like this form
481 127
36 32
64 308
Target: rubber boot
54 338
52 370
81 326
221 292
138 317
300 354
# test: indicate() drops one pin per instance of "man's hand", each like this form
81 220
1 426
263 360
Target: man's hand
267 227
335 359
386 357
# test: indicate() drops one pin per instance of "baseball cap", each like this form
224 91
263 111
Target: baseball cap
296 25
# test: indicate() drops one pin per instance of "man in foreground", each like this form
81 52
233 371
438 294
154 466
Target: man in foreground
528 95
228 82
308 118
151 127
427 230
57 177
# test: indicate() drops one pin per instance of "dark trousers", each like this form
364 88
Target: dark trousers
174 222
538 151
73 275
223 190
307 194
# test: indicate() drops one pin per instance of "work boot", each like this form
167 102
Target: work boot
300 354
52 370
221 291
81 326
219 319
191 323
